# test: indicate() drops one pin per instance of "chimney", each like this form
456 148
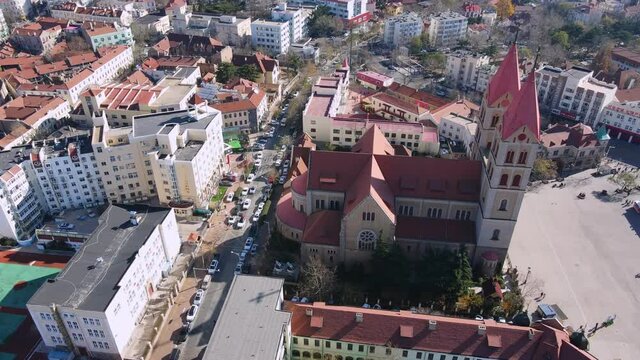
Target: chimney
482 329
309 312
531 334
133 218
359 317
433 324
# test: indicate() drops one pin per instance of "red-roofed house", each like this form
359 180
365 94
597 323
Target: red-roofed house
34 38
243 106
574 147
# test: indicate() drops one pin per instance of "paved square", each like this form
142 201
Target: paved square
585 254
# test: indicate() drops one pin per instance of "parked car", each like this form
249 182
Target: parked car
254 249
250 178
197 300
243 255
246 204
248 243
238 269
256 216
283 148
241 222
286 164
282 179
278 163
260 206
245 191
258 155
191 314
252 190
232 220
182 335
229 197
258 163
213 267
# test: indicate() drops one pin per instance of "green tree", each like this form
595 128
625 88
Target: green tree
434 61
416 45
560 38
225 72
602 60
323 24
248 71
491 50
505 9
389 256
445 274
295 62
544 169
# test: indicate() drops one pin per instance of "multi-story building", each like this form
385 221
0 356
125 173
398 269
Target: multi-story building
353 11
138 8
399 30
16 10
83 222
622 119
34 38
4 28
586 13
574 147
243 105
175 155
626 59
485 73
458 128
322 105
343 203
446 29
93 305
272 36
73 11
29 115
21 211
189 45
239 316
65 168
269 68
152 24
321 331
105 34
297 20
463 68
574 94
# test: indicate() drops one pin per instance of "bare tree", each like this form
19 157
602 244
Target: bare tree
318 280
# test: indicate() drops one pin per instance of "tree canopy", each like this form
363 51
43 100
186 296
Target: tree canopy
323 24
505 9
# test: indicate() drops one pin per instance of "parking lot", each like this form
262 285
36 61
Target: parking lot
584 255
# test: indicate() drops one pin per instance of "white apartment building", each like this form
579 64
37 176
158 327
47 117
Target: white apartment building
322 105
94 304
485 73
399 30
458 128
16 10
297 20
622 120
354 11
72 11
138 7
20 209
573 93
272 36
446 29
4 28
175 155
463 68
100 35
66 171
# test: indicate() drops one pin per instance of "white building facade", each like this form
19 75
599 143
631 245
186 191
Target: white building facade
399 30
622 120
295 17
16 10
446 29
272 36
463 69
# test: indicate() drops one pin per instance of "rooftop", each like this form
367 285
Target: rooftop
150 124
189 151
85 221
87 283
319 105
251 323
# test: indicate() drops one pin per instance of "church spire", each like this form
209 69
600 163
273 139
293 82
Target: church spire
507 78
523 110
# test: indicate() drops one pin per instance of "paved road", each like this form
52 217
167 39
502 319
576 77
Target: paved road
233 240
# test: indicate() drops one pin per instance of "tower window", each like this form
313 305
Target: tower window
494 120
522 158
504 180
503 205
496 235
509 158
516 180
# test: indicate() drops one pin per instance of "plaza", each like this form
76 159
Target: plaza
583 255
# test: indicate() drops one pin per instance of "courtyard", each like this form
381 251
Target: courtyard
583 254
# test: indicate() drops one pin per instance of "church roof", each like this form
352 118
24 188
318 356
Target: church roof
506 79
523 111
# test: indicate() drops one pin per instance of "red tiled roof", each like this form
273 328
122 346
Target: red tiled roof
373 142
401 104
370 182
628 95
578 135
523 111
263 62
451 335
299 183
323 228
288 215
506 79
445 230
84 58
29 109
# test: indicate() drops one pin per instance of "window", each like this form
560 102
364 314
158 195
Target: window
361 348
316 343
405 353
368 216
419 355
327 344
295 353
387 351
504 179
443 357
372 349
295 340
306 342
494 120
430 357
317 355
516 180
509 158
366 240
503 205
496 235
522 158
338 345
406 210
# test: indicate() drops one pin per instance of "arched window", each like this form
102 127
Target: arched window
509 158
496 235
367 240
348 358
516 180
317 355
328 357
503 205
295 353
522 158
494 120
504 180
339 357
306 354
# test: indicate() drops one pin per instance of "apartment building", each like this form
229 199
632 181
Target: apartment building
191 45
25 116
176 156
446 29
296 17
20 209
622 118
321 331
66 172
138 8
575 147
352 11
73 11
322 106
4 28
399 30
99 35
464 67
153 24
83 220
93 305
35 38
272 36
16 10
458 128
574 93
243 106
485 73
626 59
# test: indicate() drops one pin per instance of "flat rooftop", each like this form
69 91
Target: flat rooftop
89 284
188 152
150 124
251 322
85 221
319 105
175 93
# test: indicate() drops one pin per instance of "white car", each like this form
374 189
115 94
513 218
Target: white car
238 269
250 178
197 300
256 216
232 220
243 256
283 148
252 190
245 191
260 206
278 163
191 314
246 204
240 223
229 197
248 244
258 162
213 267
258 155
